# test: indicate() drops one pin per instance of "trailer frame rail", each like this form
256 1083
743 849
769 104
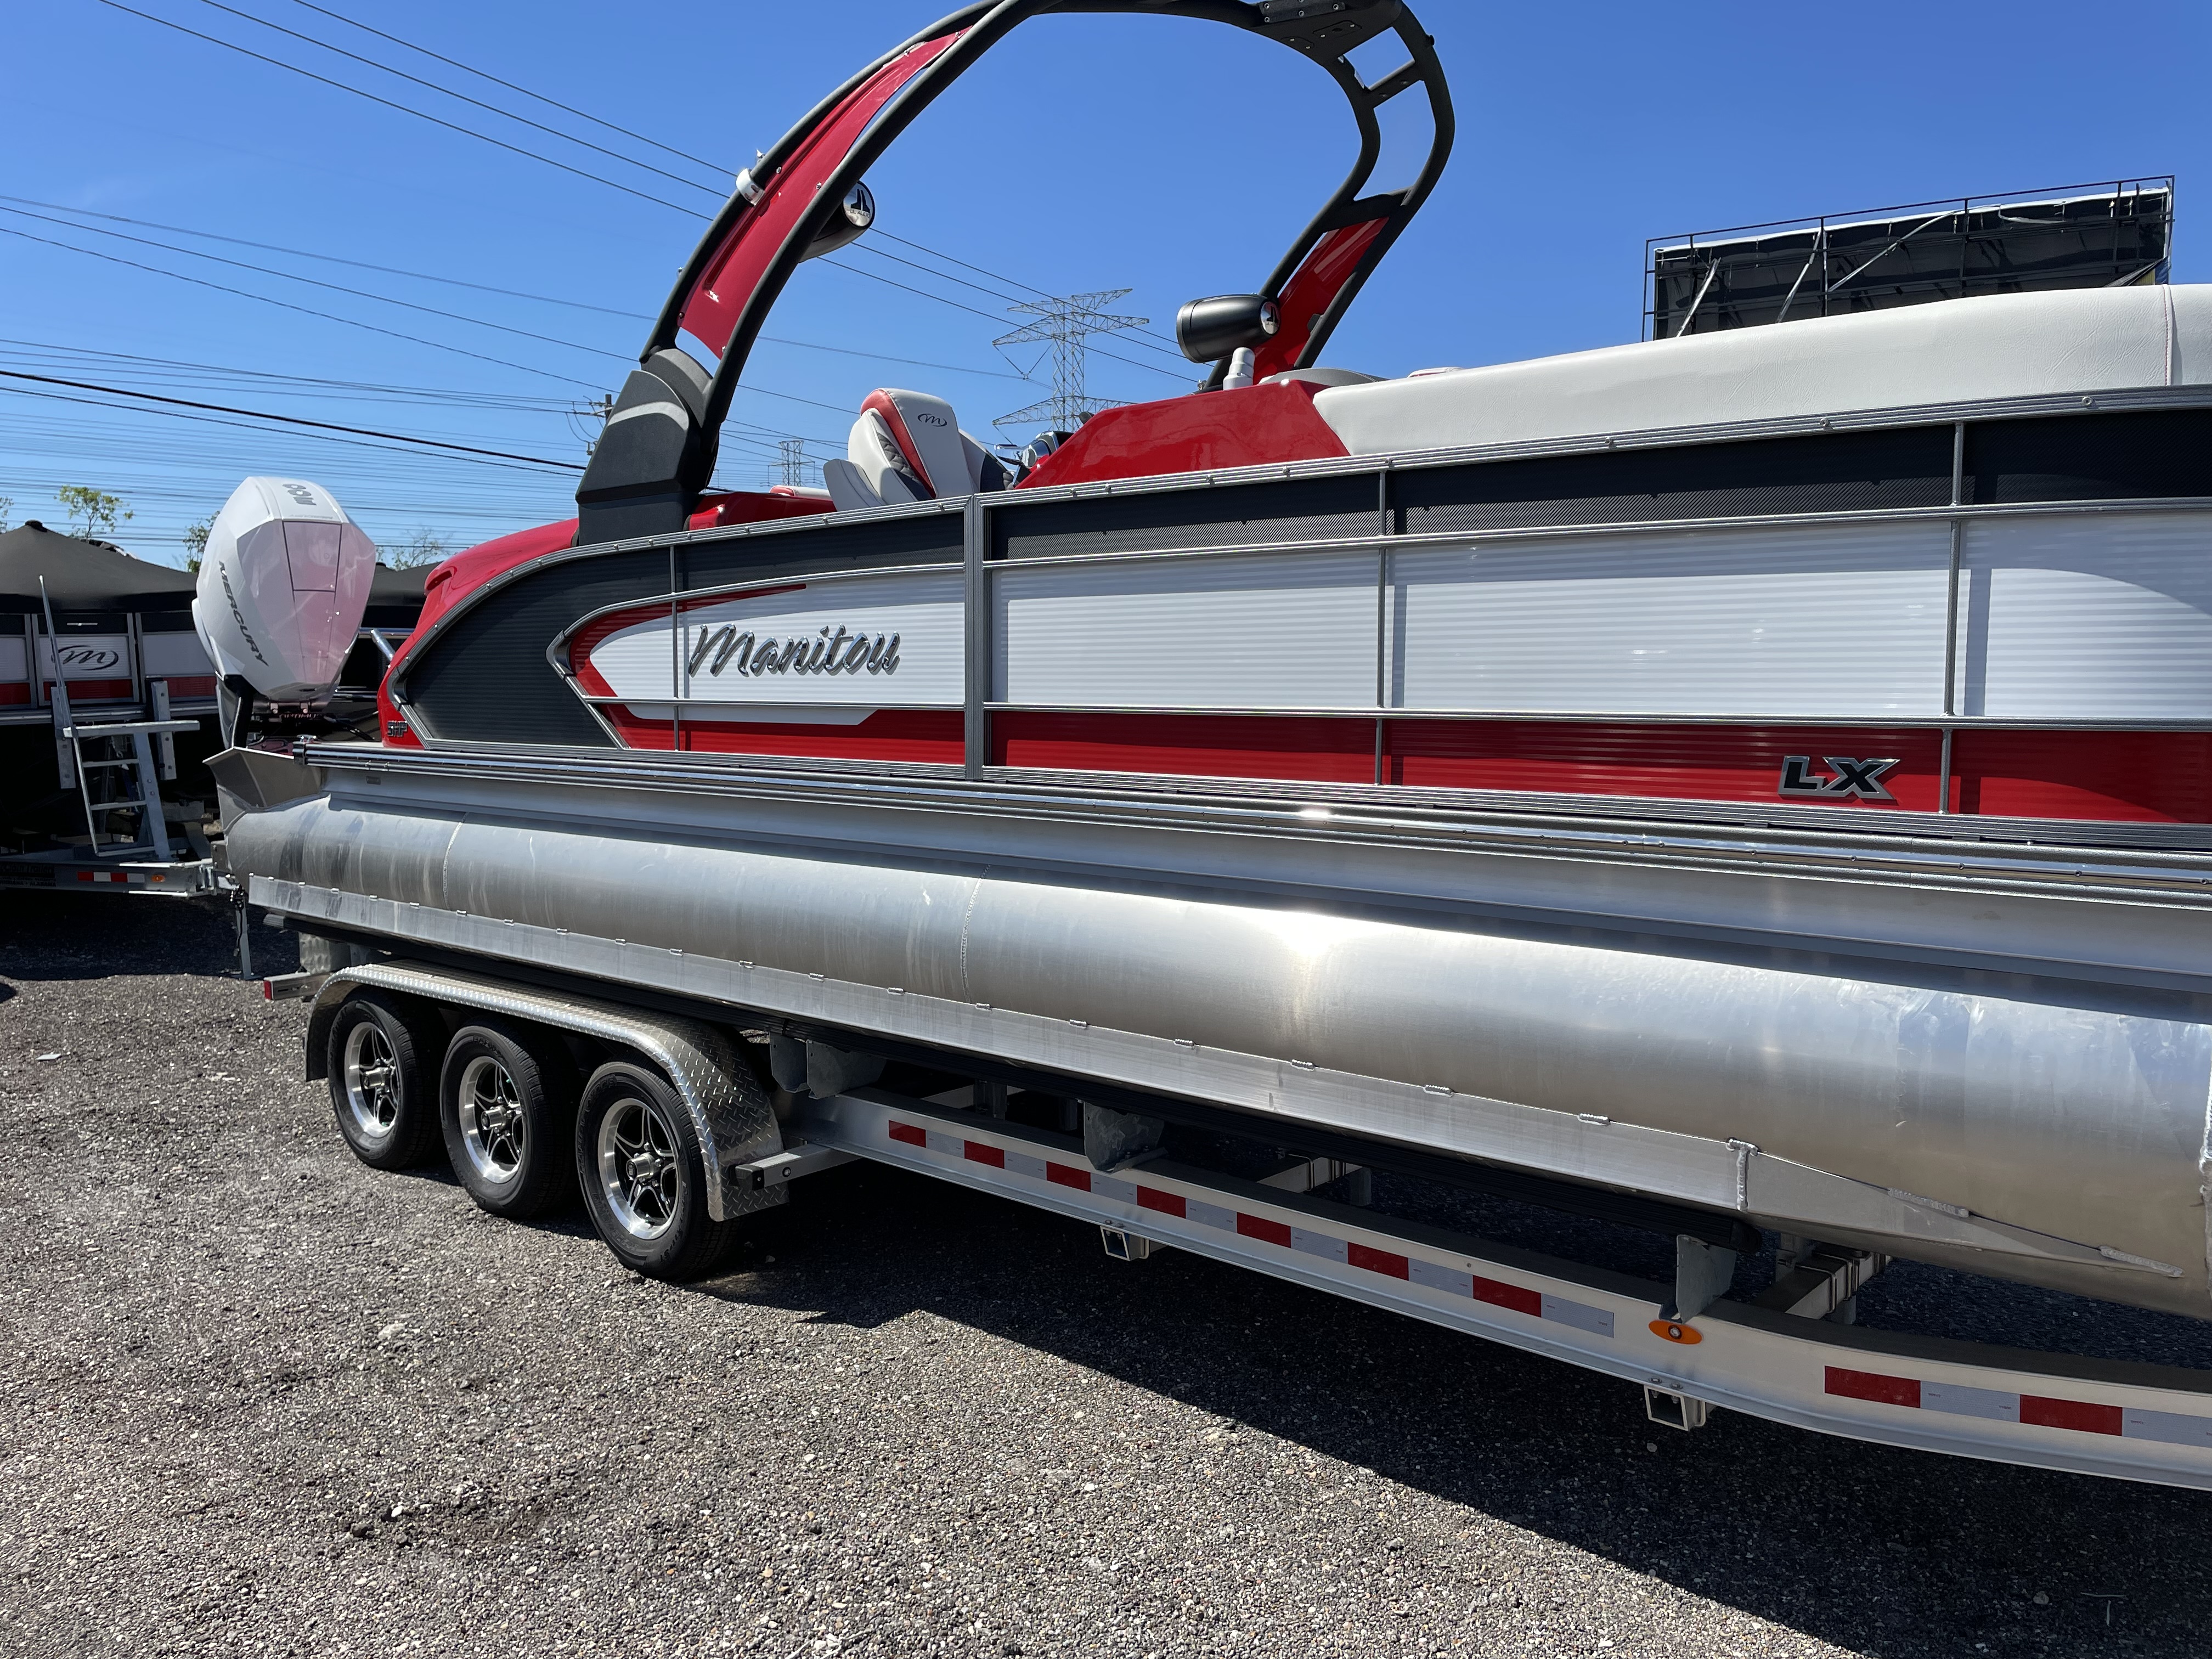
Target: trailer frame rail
2049 1411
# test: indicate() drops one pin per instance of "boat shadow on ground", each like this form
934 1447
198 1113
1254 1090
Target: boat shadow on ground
1883 1552
73 936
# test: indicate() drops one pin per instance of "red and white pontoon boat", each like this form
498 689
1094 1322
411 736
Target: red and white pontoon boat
1753 782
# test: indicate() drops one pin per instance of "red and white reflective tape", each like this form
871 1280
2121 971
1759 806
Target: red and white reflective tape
1284 1234
123 876
2045 1411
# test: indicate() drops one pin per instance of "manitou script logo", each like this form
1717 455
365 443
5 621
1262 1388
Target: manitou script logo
1858 780
82 659
841 652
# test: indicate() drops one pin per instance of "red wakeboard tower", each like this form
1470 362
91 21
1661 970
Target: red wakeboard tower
805 198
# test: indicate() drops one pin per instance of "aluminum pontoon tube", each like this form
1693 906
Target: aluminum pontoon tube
2006 1130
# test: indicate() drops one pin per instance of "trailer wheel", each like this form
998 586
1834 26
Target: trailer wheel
506 1105
381 1053
644 1180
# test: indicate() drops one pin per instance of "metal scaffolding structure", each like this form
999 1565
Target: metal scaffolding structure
2099 235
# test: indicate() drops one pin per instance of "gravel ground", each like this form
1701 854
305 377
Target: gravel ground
260 1399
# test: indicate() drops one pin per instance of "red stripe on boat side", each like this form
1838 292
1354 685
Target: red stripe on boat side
15 691
1670 763
1315 749
93 690
888 734
2126 777
2097 776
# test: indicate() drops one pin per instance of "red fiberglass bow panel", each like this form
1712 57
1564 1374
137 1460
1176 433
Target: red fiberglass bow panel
710 314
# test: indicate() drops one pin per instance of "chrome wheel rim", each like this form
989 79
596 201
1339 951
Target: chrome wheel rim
372 1081
489 1108
640 1167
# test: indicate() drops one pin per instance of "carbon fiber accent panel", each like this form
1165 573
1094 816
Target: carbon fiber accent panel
487 680
1834 472
931 540
729 1111
2146 456
1295 509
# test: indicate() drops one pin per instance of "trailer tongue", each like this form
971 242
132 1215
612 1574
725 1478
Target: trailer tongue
1748 786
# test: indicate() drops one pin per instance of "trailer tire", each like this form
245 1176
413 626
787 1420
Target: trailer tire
382 1057
507 1106
643 1177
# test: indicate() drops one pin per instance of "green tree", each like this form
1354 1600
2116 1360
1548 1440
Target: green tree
7 506
423 547
92 510
195 539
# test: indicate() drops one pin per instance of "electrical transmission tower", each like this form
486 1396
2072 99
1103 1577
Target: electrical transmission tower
1065 323
791 460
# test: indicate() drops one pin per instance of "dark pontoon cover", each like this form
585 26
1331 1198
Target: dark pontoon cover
83 575
395 597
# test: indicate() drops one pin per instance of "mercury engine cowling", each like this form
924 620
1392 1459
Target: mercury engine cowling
282 585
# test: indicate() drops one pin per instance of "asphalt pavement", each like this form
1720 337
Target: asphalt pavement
258 1398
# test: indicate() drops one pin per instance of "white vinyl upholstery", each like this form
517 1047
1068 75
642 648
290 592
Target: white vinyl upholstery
848 490
909 447
2008 345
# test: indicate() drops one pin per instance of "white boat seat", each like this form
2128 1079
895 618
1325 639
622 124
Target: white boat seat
909 447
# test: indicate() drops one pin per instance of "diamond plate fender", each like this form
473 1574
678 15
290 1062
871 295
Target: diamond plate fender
730 1112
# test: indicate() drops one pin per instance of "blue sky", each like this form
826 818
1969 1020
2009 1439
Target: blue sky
1086 153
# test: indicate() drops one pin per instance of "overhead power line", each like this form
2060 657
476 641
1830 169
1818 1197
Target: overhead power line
316 282
327 258
471 132
426 276
712 166
721 169
873 277
243 425
997 276
286 305
405 109
478 103
372 328
1015 300
288 419
310 384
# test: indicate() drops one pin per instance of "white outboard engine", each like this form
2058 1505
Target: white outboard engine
283 582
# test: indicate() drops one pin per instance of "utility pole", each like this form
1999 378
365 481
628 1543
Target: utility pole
791 460
1066 324
582 421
